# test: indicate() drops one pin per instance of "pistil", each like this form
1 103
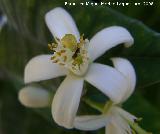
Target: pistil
70 53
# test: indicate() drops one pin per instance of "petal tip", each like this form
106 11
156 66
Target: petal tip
58 119
60 22
57 9
27 74
34 97
108 38
130 41
126 68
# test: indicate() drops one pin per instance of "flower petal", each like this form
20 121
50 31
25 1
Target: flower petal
117 124
108 80
92 122
125 114
114 129
122 125
41 68
108 38
126 68
110 129
60 22
34 97
66 101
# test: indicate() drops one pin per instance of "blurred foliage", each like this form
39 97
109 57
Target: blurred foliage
149 15
26 35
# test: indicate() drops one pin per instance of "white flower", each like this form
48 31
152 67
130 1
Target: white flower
114 118
73 56
115 121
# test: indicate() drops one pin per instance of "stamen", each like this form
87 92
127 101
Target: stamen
70 53
65 58
55 61
52 46
53 57
58 53
63 51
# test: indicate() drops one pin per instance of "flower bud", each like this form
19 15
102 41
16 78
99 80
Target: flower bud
34 97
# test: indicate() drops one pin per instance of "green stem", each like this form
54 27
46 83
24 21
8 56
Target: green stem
137 128
94 105
107 106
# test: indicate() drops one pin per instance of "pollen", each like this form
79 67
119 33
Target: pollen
70 53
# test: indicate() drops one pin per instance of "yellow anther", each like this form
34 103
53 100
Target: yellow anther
50 46
69 41
78 60
82 38
55 61
81 41
63 51
53 57
58 53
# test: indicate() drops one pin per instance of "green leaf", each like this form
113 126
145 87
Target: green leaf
142 12
141 108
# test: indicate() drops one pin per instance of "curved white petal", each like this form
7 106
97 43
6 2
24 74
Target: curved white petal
118 125
41 68
110 129
66 101
60 22
122 125
114 129
108 80
108 38
118 122
34 97
93 122
125 114
126 68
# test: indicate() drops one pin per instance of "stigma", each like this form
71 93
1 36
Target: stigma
70 53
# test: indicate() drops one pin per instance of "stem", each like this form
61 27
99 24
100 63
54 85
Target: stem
94 105
107 106
100 107
137 128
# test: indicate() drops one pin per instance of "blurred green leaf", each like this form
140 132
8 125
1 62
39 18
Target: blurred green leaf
149 15
140 107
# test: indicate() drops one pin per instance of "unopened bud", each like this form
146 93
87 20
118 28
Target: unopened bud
34 97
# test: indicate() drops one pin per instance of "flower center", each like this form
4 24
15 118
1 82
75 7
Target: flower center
70 53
